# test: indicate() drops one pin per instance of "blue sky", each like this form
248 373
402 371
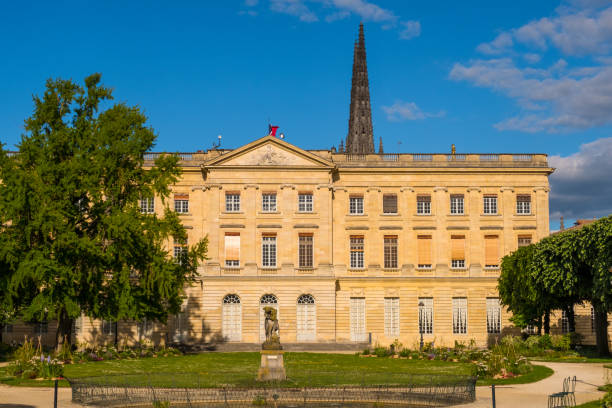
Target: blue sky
515 76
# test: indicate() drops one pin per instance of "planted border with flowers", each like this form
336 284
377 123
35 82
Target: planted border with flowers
31 362
504 360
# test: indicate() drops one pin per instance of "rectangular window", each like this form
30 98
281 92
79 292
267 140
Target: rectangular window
147 205
108 328
424 204
460 315
145 328
390 252
268 202
181 203
7 328
232 201
356 205
268 251
490 204
357 252
592 319
564 322
390 204
493 316
491 251
305 202
392 317
458 264
530 329
424 251
232 249
523 204
305 251
524 240
456 204
458 251
426 315
180 250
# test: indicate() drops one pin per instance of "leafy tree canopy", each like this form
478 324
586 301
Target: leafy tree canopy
73 239
561 270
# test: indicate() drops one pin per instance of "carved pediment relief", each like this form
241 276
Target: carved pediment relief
268 155
270 151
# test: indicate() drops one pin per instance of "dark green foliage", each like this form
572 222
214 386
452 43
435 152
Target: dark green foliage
73 239
560 271
520 291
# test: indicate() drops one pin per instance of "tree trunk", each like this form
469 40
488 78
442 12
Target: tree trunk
116 339
540 326
1 332
547 322
571 319
601 331
64 330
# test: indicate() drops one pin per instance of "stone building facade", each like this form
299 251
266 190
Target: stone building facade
350 246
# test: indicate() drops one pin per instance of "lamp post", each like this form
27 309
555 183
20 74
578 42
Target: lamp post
421 304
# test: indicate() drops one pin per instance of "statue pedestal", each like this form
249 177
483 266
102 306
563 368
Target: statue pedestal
272 367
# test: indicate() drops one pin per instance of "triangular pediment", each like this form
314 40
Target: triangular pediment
269 151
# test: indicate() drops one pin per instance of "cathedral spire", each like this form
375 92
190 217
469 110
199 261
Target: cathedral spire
360 137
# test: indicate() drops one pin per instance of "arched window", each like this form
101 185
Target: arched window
306 318
266 300
232 318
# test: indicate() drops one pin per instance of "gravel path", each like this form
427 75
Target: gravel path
589 377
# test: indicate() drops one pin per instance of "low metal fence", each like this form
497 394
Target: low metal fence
192 390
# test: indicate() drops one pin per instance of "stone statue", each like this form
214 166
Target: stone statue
272 330
272 366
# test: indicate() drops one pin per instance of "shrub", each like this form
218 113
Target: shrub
381 352
30 362
366 351
532 344
561 342
545 342
405 353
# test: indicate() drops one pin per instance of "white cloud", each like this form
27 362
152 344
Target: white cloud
295 8
565 99
339 15
575 32
498 46
401 111
366 10
571 93
334 10
532 58
580 185
410 29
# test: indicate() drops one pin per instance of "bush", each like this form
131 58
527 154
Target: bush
30 362
561 342
382 352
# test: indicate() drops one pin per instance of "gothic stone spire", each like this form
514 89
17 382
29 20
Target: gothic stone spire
360 137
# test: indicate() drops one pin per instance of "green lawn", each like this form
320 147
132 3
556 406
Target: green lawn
303 369
590 404
538 373
586 354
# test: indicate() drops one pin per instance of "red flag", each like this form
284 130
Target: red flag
272 130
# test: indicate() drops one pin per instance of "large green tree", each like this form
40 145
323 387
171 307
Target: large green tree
576 264
560 271
73 239
519 291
